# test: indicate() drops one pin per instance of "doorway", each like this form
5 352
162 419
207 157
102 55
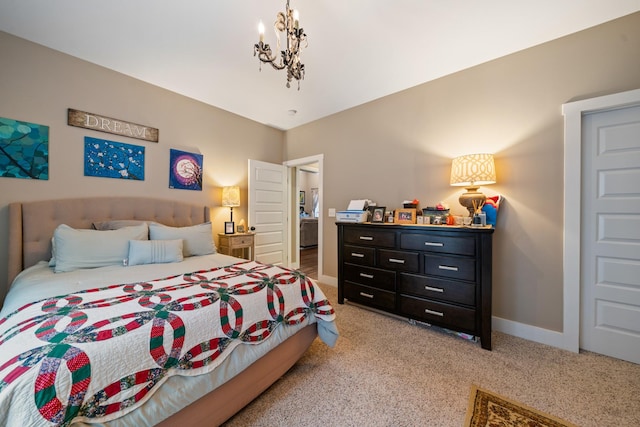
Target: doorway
305 182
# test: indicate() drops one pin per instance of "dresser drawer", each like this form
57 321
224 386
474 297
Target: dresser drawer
435 288
398 260
370 296
359 255
369 237
451 267
435 243
373 277
445 315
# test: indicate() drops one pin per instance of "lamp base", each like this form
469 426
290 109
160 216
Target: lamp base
472 199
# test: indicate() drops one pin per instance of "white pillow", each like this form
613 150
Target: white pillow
198 239
75 249
154 251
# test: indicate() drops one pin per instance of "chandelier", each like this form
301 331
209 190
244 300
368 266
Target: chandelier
287 23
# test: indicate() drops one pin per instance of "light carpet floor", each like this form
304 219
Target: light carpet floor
387 372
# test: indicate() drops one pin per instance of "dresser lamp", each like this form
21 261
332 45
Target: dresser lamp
230 199
471 171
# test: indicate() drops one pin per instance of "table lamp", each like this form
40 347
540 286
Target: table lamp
471 171
230 199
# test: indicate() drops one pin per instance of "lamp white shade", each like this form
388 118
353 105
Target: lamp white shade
473 170
231 196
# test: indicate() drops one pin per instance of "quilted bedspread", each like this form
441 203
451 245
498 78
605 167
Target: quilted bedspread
99 353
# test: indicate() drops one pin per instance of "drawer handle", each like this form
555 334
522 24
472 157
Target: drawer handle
397 261
447 267
366 295
366 276
366 238
435 313
429 288
357 255
434 244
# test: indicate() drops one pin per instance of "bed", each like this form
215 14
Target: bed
167 374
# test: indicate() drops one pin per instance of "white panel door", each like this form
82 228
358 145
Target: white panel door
610 289
268 211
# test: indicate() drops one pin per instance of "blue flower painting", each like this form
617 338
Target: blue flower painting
108 159
185 170
24 150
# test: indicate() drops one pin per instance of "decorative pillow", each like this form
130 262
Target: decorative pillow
116 224
76 249
154 251
198 239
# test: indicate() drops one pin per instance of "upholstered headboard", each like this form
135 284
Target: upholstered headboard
31 224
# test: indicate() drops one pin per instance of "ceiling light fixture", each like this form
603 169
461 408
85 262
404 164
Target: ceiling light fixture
286 22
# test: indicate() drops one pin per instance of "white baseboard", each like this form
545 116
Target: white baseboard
328 280
528 332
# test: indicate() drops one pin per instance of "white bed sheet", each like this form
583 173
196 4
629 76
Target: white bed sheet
178 391
27 286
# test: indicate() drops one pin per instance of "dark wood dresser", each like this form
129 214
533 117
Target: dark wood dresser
440 275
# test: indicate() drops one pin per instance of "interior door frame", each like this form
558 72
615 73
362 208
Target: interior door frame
292 165
573 113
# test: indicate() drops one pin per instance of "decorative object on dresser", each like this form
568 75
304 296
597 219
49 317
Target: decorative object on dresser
230 199
228 243
437 275
472 171
405 216
378 214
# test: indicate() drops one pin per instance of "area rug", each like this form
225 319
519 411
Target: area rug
487 409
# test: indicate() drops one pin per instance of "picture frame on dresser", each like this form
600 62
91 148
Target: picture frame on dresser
405 216
377 215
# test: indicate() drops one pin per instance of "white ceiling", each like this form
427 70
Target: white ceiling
359 50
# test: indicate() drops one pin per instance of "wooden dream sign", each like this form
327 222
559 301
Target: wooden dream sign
107 124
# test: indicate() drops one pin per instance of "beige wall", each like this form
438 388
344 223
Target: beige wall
401 146
38 85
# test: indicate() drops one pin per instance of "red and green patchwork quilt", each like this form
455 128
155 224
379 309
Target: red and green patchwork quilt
100 353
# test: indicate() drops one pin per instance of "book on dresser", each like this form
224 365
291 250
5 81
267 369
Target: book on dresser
440 275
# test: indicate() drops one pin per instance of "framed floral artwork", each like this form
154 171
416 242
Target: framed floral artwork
109 159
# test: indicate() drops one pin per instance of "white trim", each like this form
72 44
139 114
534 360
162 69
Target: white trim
573 112
528 332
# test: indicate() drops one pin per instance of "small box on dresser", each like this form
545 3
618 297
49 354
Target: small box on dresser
437 275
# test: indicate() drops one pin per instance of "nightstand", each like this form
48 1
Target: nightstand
228 243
